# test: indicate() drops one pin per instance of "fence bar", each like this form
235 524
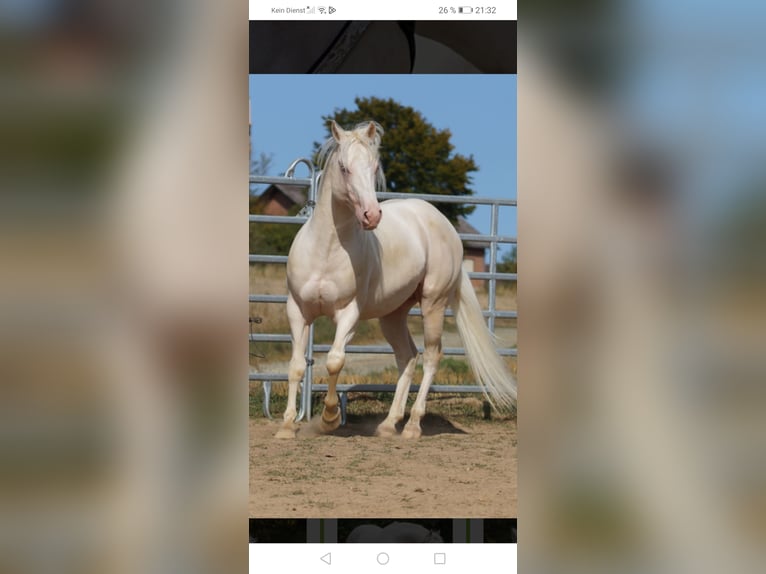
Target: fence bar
472 274
267 376
268 298
487 238
434 198
266 398
489 275
279 219
378 388
295 219
416 312
290 171
268 258
369 349
492 268
281 180
269 338
376 349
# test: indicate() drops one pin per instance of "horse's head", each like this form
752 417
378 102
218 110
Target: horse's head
360 172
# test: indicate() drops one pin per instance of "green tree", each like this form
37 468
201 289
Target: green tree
508 262
416 156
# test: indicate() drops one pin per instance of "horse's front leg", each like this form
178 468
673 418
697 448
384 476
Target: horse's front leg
346 320
299 329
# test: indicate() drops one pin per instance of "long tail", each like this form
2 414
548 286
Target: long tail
487 365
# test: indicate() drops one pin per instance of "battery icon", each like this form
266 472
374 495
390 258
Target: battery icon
465 9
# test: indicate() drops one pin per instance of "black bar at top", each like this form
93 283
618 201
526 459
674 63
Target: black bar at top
321 46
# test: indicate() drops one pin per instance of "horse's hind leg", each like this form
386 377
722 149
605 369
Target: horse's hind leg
433 325
394 327
346 320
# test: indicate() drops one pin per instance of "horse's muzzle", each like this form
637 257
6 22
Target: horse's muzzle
371 218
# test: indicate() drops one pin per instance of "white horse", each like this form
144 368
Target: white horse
348 262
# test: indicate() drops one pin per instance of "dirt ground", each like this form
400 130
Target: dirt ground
451 471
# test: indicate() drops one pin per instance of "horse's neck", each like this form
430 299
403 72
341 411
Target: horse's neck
333 223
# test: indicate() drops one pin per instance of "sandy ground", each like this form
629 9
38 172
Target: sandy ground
451 471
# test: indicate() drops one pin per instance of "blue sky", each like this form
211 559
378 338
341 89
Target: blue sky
479 110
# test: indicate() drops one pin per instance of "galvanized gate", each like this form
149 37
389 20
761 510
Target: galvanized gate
307 386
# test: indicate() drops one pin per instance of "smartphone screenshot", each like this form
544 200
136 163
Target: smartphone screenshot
383 309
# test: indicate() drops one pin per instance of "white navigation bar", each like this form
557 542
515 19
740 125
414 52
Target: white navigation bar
388 10
383 558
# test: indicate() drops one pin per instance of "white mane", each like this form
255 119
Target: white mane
330 147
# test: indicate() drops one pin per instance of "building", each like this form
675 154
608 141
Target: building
279 199
474 252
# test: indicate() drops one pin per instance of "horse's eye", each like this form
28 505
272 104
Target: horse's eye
343 168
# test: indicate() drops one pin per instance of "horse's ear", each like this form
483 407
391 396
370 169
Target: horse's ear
336 130
372 131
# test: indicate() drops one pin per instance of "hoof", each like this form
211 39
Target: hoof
329 423
385 430
285 432
411 433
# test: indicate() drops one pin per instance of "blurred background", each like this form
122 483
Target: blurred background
123 361
641 226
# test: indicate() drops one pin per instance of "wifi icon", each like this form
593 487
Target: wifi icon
321 9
